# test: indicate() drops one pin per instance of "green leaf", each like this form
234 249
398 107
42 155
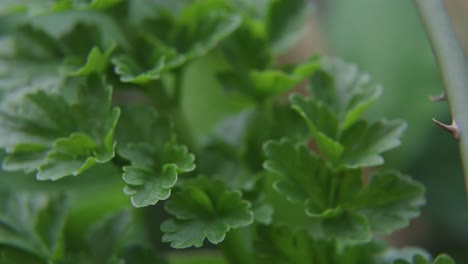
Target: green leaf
337 197
389 201
323 124
64 26
189 41
347 226
202 209
129 70
103 4
406 255
345 90
444 259
272 82
58 138
285 23
10 255
69 156
106 236
96 63
360 145
33 223
284 245
363 143
19 76
298 169
156 160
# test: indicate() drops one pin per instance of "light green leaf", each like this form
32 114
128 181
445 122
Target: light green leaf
96 62
204 209
271 82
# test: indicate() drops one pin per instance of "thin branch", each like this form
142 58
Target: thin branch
453 67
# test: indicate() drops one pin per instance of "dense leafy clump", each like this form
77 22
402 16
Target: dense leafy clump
95 89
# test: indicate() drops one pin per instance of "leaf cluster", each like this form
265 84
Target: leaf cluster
99 84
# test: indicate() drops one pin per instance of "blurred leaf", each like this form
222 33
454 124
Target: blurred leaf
272 82
10 255
347 226
129 71
204 209
18 77
64 27
139 255
285 23
106 237
344 89
33 223
96 63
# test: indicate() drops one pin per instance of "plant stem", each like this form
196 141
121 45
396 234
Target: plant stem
453 67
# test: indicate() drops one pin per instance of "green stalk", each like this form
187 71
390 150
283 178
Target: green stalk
453 67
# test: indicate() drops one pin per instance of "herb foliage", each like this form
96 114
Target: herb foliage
97 86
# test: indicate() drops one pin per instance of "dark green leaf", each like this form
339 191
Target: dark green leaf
106 237
347 226
323 124
363 143
285 22
300 172
156 160
444 259
57 137
191 40
389 201
202 209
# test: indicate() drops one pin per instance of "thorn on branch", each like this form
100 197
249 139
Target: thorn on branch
438 98
452 128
